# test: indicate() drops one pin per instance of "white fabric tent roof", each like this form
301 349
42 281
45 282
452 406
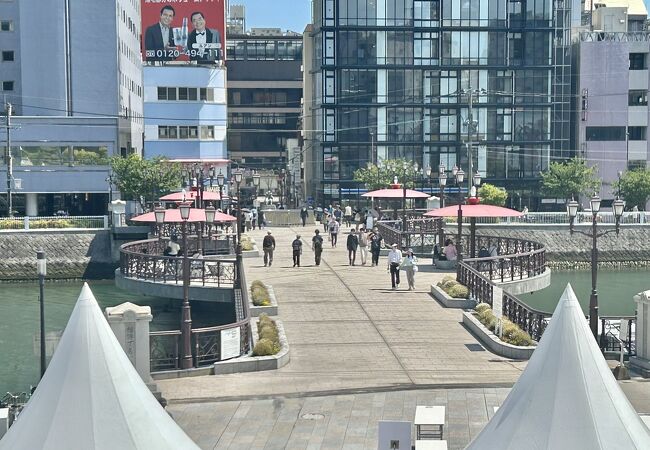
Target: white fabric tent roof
91 397
567 397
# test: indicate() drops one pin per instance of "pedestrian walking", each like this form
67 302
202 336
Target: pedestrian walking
326 222
296 245
317 246
410 266
303 215
261 220
254 221
394 261
352 244
338 214
347 215
375 245
249 221
268 245
334 231
363 245
370 220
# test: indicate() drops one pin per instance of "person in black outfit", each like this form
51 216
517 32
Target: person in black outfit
268 245
352 244
303 215
202 35
296 245
159 38
317 246
375 245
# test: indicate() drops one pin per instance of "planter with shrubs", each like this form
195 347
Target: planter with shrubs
452 294
270 349
249 247
262 300
514 343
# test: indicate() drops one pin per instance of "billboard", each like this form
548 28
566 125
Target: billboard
183 30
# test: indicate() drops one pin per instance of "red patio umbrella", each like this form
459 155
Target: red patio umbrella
395 193
474 211
190 195
174 216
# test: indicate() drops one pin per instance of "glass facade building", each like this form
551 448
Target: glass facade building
388 79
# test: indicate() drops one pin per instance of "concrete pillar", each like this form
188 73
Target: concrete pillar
4 421
641 361
117 208
31 204
130 323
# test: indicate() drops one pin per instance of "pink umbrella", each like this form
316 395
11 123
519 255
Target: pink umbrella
395 193
174 216
474 211
191 195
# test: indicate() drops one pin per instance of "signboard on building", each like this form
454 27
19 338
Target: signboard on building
230 343
183 31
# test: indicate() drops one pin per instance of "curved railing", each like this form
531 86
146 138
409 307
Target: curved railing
144 260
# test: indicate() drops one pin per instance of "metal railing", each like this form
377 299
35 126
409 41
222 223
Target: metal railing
145 260
54 222
421 233
561 218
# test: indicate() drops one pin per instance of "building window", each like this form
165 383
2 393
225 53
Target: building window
638 98
162 93
635 164
167 132
636 133
7 85
605 133
6 25
638 61
207 132
182 93
8 55
188 132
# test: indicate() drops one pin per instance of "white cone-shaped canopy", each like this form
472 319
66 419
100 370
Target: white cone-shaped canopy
91 397
567 398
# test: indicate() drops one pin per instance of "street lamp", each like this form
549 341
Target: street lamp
256 183
238 176
442 180
186 320
41 269
159 212
221 179
209 218
572 210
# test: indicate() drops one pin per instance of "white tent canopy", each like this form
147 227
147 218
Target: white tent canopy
567 397
91 397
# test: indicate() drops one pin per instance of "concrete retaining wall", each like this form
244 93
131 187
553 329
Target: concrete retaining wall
451 302
71 254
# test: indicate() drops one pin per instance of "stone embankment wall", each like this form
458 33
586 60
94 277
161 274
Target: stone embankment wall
565 251
70 255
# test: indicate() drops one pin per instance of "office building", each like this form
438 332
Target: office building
389 80
72 72
612 87
264 96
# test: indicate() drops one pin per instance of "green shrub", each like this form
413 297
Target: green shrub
264 347
260 294
458 291
447 282
511 333
269 339
50 223
247 245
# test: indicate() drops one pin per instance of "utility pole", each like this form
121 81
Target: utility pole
9 159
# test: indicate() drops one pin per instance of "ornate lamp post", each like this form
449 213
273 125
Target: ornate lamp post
256 183
186 319
459 175
160 219
281 176
41 269
221 180
442 180
572 210
238 176
209 219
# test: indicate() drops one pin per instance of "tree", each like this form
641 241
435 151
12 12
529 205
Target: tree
634 187
492 195
380 177
569 179
145 180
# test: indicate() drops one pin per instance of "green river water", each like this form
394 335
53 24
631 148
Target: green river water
19 313
19 321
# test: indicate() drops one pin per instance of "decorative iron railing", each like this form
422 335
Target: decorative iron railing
145 260
54 222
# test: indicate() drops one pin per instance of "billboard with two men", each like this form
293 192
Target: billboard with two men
183 30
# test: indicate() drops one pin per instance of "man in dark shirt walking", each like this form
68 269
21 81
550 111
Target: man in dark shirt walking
317 246
352 244
296 245
268 245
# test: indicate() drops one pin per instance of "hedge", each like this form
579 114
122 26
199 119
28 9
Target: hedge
269 338
260 294
453 288
512 334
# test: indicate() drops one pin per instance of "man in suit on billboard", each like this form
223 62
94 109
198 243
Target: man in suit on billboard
160 36
202 35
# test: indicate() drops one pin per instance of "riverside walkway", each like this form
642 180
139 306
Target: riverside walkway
348 331
360 353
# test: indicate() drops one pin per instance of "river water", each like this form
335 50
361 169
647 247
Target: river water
19 321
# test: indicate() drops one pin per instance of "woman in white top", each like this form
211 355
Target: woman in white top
409 264
450 251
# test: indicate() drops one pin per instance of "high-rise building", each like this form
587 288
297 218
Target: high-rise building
72 72
612 91
390 79
264 96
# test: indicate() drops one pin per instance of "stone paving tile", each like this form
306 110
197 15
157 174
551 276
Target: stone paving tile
336 332
331 310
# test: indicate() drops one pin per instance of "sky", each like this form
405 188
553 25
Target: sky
291 15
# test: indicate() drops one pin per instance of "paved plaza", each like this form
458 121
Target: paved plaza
360 353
